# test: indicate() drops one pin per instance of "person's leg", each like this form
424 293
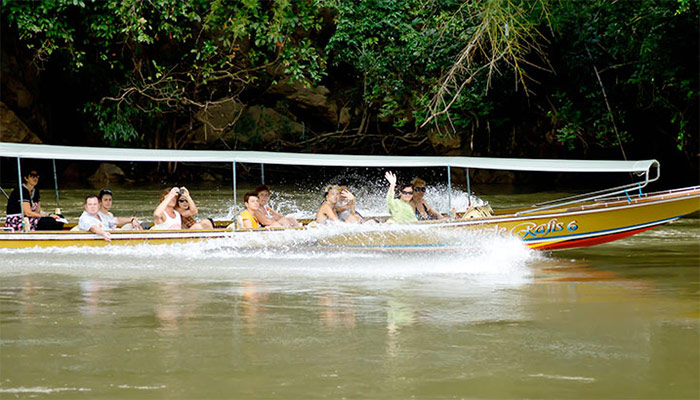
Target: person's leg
48 224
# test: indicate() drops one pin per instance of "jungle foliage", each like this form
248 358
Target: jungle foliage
500 75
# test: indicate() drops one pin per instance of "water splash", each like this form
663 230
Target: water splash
370 199
328 252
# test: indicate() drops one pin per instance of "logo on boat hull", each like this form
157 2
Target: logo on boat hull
532 230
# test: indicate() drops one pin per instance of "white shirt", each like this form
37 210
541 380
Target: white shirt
170 223
87 221
109 221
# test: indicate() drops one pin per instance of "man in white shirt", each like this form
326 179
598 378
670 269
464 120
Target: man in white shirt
90 220
109 221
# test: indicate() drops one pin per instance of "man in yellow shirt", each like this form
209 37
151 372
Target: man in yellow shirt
247 217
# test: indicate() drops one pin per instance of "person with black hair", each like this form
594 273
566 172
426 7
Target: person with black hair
266 215
30 207
110 221
400 209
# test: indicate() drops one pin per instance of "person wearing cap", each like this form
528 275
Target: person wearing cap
400 209
30 207
110 221
90 218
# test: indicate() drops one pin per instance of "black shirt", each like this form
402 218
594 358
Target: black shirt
13 206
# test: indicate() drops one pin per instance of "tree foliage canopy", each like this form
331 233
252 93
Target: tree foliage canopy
584 74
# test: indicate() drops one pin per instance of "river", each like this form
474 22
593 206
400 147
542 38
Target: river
219 320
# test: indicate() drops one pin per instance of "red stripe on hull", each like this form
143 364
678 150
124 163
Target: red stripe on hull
593 241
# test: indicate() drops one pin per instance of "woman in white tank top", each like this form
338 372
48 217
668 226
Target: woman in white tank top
165 216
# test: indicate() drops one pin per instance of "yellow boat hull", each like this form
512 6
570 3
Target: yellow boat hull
584 225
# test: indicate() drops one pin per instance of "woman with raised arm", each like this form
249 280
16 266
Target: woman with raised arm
188 211
400 209
165 216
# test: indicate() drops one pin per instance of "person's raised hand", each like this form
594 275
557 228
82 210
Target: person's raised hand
347 195
390 177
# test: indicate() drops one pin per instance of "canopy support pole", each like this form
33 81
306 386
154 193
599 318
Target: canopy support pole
449 191
19 187
262 174
55 182
234 183
469 191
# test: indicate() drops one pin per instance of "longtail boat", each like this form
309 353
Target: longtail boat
577 221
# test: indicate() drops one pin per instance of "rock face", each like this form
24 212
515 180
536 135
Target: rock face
489 176
234 122
443 143
107 173
315 100
12 129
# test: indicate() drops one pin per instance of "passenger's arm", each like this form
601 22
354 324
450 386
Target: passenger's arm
193 206
264 220
99 231
433 212
128 220
27 209
392 185
275 214
350 205
158 214
326 211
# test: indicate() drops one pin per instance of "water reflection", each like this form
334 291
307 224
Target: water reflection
336 310
91 291
399 316
252 305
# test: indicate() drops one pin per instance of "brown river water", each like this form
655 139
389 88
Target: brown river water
221 320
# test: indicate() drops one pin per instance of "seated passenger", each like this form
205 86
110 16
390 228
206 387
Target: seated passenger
109 220
31 207
247 217
400 209
188 212
165 216
90 218
421 208
266 215
345 207
327 210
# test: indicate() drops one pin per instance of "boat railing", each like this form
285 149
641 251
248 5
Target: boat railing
593 196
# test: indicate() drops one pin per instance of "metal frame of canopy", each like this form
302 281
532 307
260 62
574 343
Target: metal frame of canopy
641 167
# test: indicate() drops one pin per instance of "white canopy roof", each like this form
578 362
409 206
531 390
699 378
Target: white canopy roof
36 151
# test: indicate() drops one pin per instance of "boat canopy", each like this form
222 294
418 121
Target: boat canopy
38 151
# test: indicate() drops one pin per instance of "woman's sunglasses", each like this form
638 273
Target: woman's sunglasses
419 189
182 200
406 193
33 175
